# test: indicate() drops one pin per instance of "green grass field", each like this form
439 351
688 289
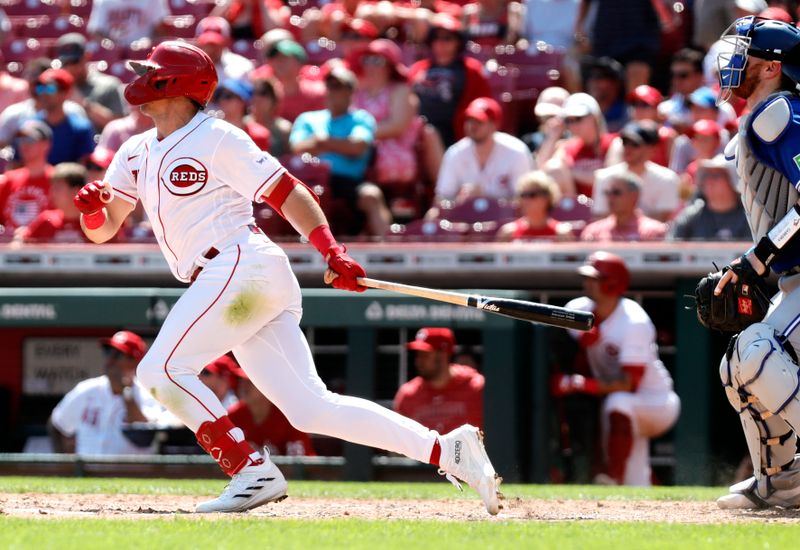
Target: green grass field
180 531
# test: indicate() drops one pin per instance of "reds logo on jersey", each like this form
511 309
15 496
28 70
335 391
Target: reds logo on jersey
185 176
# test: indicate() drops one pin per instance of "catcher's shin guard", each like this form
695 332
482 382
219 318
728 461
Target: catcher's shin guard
761 382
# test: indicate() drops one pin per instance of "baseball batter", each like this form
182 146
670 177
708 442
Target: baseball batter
639 401
759 370
197 177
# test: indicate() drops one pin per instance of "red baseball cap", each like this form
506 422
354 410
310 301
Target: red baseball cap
59 77
705 128
433 339
224 366
485 109
126 342
213 30
646 94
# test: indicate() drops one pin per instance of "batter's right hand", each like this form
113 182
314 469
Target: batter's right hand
345 269
92 197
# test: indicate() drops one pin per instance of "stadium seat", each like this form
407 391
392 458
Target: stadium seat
104 50
575 211
246 48
23 50
437 230
322 51
198 8
16 8
479 209
180 26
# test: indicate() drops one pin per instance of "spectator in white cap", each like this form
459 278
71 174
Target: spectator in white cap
717 213
548 106
213 35
576 159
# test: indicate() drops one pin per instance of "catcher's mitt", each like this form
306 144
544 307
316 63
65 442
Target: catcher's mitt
738 306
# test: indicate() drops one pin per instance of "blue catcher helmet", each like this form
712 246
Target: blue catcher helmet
761 38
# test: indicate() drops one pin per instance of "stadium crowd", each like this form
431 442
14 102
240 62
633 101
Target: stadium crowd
419 119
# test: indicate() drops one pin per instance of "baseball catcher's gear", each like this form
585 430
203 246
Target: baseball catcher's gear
761 38
173 69
610 270
738 306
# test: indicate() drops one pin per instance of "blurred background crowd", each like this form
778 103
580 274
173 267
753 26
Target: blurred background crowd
428 120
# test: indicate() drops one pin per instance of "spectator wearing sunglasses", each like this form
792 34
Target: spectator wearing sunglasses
263 110
99 94
686 72
90 419
625 221
15 114
384 93
536 196
24 192
660 186
233 99
447 81
73 135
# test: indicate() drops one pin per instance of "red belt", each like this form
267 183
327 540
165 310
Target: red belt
212 253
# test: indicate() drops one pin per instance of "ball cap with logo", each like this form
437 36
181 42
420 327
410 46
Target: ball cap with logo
484 109
433 339
126 342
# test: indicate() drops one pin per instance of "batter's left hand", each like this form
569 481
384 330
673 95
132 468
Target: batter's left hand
343 270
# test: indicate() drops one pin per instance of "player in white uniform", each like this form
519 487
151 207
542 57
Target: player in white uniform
197 177
639 401
95 411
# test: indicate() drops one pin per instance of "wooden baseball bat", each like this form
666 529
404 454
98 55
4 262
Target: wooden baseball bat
516 309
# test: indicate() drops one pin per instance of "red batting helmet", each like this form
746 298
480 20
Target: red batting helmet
610 270
173 69
126 342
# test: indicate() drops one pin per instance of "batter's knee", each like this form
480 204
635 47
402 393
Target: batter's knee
309 413
149 374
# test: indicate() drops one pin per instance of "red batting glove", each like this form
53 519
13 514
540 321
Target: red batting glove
90 198
346 269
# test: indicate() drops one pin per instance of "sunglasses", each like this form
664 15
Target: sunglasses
46 89
263 93
532 194
573 119
613 192
630 143
112 353
680 75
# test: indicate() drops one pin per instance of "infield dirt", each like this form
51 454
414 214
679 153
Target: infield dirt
44 506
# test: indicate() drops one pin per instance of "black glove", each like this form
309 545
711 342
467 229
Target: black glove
739 305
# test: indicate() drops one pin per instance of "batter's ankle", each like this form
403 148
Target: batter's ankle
231 455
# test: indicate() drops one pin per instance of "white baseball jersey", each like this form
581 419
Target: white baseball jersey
509 159
197 185
627 337
95 416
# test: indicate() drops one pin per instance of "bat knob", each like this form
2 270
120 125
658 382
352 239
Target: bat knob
329 276
107 196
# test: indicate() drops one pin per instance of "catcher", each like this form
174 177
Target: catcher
760 369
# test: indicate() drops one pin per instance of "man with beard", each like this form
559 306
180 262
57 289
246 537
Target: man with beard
444 395
759 372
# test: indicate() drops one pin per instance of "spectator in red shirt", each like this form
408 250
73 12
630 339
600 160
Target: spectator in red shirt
24 192
443 395
263 424
250 19
576 159
300 94
536 196
62 223
447 81
233 98
625 222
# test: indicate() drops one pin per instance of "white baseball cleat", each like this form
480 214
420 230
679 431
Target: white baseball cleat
736 501
253 486
464 457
